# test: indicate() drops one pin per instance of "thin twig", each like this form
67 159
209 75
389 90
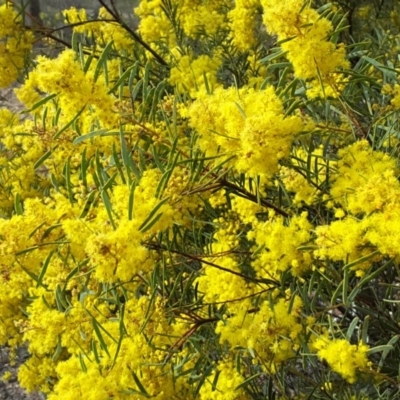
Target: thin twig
182 340
248 195
135 36
193 257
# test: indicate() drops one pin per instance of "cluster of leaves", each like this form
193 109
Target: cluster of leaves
205 206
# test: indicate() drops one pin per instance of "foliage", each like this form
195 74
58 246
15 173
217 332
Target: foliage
205 206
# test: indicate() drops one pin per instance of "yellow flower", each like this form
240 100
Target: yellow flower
248 127
15 44
228 380
6 376
314 58
344 358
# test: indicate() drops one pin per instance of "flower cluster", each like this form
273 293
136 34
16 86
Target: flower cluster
305 35
15 45
185 214
247 127
344 358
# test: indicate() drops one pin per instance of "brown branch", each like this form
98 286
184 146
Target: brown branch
248 195
330 128
311 182
235 300
182 340
156 246
220 182
46 29
224 253
199 189
135 36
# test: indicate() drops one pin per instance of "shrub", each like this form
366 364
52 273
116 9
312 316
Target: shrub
205 206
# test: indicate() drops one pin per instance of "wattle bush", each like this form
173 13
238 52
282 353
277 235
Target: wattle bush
204 206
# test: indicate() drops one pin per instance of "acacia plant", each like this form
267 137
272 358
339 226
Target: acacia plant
205 205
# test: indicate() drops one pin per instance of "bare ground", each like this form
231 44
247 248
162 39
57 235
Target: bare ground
10 389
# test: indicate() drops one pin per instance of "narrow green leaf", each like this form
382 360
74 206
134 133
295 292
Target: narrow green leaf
56 117
68 180
351 328
388 72
123 77
294 106
157 97
151 220
110 181
241 111
40 103
108 206
172 152
30 274
381 348
97 331
44 157
44 269
36 229
75 41
81 55
215 381
82 362
136 90
84 166
345 285
146 80
18 207
157 162
54 182
47 232
385 351
131 200
279 66
27 250
88 203
71 275
162 184
58 350
139 384
276 52
121 332
125 154
364 332
115 161
91 135
101 174
101 63
132 77
87 64
65 127
248 380
96 179
61 301
216 168
44 119
361 260
94 351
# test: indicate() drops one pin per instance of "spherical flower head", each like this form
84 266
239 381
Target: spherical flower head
344 358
